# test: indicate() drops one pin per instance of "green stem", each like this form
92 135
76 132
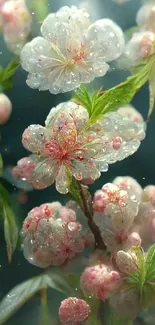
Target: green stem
45 318
92 225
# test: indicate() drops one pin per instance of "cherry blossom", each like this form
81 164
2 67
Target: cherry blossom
71 50
146 17
52 235
126 261
65 148
139 46
24 168
16 22
149 194
100 280
127 182
5 108
131 112
73 311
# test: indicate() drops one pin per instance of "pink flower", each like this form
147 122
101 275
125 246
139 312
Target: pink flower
5 108
52 235
99 280
73 311
149 194
24 168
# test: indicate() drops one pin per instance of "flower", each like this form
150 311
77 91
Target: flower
126 262
66 148
139 46
24 168
115 210
146 17
99 280
127 182
5 108
131 113
52 235
149 194
73 311
71 51
16 21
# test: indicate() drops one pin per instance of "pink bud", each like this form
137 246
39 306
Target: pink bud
117 141
134 239
5 108
126 261
73 311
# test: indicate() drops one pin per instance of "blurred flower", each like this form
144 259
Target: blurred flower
5 108
71 51
120 2
100 280
139 46
146 17
16 22
24 168
73 311
149 194
65 148
126 302
51 235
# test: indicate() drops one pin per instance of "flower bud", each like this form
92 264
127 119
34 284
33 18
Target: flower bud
5 108
134 239
126 262
73 311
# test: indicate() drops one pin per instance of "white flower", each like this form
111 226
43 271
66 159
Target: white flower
131 112
66 148
5 108
71 51
146 17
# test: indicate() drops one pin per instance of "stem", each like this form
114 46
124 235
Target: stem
45 318
92 225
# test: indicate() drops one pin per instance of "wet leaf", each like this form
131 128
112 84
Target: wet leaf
151 93
150 264
10 225
6 74
21 293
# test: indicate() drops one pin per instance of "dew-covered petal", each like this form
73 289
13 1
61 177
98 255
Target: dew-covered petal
84 169
33 137
63 180
107 38
45 173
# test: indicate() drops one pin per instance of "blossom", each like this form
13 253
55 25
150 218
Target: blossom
139 46
16 21
114 212
66 148
52 235
5 108
126 261
131 113
146 17
73 311
128 182
71 50
149 194
100 280
24 168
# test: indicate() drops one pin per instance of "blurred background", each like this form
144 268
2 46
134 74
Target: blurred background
31 106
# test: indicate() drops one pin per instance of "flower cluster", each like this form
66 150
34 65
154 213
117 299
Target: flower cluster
15 20
141 43
125 214
65 147
52 235
71 50
73 311
24 168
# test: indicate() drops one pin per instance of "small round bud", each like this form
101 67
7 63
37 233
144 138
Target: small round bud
134 240
73 311
5 108
126 261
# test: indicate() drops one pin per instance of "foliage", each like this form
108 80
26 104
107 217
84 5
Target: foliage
10 226
6 74
21 293
1 165
40 8
98 105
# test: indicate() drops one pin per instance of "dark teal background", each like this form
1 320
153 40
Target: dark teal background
31 106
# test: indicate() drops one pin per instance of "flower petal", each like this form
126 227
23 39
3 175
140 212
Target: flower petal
45 173
32 138
85 169
63 180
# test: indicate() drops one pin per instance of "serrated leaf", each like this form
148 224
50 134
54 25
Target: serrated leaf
10 226
21 293
150 264
151 93
83 98
11 68
124 92
1 165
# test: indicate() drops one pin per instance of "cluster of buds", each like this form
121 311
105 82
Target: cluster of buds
73 311
15 21
52 235
141 43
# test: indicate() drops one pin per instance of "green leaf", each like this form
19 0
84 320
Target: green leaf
40 8
45 317
21 293
10 226
151 93
1 165
83 97
124 92
7 74
130 31
150 264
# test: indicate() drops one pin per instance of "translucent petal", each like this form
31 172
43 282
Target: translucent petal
62 180
45 173
32 138
84 169
105 38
